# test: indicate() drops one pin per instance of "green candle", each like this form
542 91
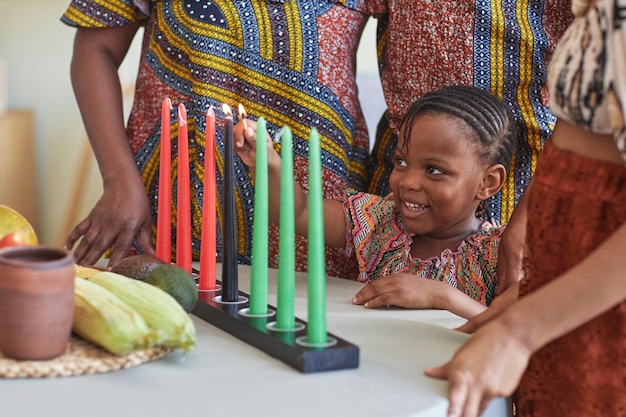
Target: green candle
316 329
285 315
258 280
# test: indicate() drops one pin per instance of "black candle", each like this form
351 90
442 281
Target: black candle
230 291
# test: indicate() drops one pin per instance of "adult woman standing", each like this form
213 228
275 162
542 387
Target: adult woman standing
563 340
291 62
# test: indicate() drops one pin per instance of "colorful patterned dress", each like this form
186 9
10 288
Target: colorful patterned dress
381 244
501 46
290 61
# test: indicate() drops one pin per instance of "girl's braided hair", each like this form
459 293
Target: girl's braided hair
490 120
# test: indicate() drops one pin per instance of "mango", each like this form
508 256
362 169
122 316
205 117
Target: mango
12 222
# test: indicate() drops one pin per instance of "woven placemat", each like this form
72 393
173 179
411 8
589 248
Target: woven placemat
80 358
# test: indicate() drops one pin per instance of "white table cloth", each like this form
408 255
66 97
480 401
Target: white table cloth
225 376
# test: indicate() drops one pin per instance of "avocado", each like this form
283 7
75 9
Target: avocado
177 282
137 266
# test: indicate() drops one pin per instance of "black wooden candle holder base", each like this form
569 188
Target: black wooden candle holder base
282 345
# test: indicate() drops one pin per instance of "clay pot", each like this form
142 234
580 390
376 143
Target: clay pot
36 301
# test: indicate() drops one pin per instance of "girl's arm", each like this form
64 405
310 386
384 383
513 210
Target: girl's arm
408 291
334 218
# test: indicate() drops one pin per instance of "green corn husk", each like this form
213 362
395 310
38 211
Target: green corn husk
159 309
104 320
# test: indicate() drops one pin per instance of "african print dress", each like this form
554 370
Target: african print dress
290 61
381 244
502 47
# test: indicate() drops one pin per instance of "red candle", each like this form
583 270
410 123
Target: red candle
164 214
183 203
208 242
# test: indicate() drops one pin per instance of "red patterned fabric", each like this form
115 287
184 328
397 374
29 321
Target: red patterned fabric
499 46
582 374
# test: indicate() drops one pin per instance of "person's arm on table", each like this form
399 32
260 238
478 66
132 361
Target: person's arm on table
122 213
492 361
408 291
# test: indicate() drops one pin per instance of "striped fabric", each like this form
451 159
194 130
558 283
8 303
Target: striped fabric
381 244
290 61
500 46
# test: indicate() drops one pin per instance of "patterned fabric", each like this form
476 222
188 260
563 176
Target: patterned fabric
291 62
381 244
581 374
588 80
498 46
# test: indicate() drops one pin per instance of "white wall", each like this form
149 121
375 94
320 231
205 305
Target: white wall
36 48
368 78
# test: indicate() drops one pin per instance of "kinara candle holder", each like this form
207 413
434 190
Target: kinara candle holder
288 346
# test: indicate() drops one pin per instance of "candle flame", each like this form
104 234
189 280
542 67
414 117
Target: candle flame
210 112
182 114
227 110
243 115
242 111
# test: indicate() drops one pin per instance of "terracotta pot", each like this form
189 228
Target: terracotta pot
36 301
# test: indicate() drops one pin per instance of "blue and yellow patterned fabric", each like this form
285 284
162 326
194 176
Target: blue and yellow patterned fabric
290 61
500 46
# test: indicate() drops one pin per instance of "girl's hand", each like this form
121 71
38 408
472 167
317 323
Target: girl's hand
401 290
244 135
490 364
408 291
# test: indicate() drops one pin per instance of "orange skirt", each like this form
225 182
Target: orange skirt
575 204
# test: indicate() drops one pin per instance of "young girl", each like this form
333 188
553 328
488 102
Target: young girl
456 147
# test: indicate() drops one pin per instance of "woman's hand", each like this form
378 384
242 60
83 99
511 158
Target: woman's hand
490 364
121 214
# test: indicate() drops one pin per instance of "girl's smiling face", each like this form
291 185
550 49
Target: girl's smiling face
437 176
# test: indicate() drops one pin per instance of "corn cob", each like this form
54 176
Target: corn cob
160 310
103 319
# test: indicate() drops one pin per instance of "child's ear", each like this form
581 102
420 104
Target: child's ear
493 180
